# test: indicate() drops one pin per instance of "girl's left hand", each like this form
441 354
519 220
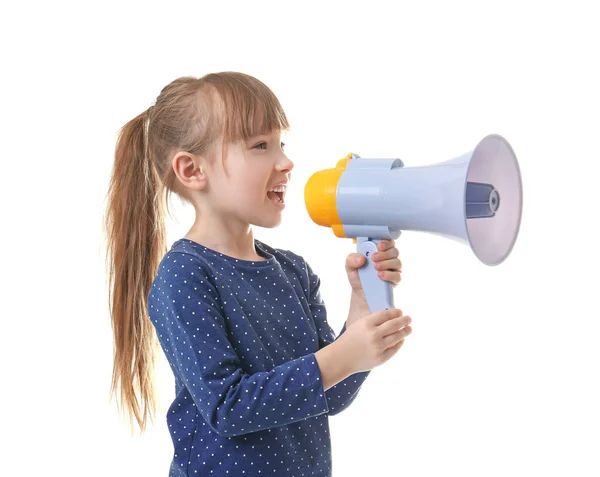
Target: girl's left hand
389 268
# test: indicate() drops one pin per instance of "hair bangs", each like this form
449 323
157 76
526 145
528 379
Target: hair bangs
245 107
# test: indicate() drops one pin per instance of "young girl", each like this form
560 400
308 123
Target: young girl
257 368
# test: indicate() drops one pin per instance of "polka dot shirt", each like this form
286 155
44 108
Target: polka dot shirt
240 337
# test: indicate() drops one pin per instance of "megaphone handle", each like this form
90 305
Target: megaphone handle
378 292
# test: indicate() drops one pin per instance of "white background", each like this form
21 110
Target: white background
500 376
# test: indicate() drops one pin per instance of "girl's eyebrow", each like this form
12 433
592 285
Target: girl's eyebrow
265 135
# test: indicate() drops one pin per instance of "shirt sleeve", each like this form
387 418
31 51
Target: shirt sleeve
340 396
186 311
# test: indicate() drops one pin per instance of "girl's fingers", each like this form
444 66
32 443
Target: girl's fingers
393 264
393 277
386 244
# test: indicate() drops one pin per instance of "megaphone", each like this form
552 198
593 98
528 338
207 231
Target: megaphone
476 199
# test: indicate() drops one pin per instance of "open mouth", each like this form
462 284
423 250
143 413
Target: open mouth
276 196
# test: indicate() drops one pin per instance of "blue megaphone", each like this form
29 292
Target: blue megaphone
476 198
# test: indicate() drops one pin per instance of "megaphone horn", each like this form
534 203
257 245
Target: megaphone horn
476 198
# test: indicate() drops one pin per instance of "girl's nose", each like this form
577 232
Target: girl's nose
286 163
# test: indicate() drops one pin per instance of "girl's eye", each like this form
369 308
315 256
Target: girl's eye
265 144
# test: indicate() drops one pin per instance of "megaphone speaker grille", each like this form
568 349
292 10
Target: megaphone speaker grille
493 200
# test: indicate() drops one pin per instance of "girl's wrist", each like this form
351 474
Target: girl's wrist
351 319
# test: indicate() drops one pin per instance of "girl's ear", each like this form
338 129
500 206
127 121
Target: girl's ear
191 170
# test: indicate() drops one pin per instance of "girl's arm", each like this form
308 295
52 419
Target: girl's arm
343 393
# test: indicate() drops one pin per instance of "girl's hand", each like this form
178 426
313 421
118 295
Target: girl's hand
373 339
389 268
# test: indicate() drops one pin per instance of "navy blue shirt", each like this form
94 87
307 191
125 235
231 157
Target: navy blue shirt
240 337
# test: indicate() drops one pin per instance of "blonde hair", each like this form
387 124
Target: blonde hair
190 114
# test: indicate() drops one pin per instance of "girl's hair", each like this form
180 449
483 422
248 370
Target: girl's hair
190 114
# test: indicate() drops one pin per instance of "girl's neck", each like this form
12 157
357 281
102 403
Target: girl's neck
240 249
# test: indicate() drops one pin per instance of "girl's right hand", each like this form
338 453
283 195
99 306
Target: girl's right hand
374 339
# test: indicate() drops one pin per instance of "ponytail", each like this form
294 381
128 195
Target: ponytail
136 241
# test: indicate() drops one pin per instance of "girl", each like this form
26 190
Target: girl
257 367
